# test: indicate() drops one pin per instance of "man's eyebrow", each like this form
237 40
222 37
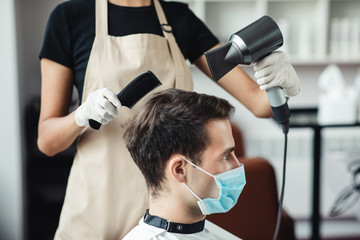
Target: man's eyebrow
229 150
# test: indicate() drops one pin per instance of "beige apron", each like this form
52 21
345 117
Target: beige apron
106 193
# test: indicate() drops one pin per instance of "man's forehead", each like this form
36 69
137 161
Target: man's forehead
218 128
220 135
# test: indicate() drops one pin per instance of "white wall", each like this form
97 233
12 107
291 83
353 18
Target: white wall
11 206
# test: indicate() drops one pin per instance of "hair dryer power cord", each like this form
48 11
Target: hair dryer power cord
282 191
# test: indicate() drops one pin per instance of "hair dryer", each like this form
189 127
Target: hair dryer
249 45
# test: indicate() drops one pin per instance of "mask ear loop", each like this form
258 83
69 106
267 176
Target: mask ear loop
198 167
192 192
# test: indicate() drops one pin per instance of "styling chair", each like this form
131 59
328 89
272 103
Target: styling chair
255 214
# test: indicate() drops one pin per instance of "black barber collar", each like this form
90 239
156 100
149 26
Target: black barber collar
172 226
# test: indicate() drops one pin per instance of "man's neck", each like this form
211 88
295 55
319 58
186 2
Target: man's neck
131 3
174 210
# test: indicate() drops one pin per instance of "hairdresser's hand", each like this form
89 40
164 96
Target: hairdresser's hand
275 70
101 106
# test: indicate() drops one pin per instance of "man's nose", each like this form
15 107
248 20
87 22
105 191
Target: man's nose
234 161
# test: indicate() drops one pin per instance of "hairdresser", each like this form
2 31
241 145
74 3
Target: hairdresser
99 47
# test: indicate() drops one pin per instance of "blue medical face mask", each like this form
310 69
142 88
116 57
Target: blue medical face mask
231 183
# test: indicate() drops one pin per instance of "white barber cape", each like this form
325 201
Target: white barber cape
144 231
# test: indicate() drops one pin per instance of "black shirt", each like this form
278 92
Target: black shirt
70 31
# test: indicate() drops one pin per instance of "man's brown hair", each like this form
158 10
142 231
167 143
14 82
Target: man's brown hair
169 122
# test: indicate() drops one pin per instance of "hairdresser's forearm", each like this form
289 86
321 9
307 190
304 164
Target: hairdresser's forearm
242 87
57 128
57 134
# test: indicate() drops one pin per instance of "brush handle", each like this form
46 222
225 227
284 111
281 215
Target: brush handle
94 124
133 92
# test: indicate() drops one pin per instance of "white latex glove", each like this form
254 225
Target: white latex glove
275 70
101 106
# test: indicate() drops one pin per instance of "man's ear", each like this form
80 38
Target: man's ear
176 167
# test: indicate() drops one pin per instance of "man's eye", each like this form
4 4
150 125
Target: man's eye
226 158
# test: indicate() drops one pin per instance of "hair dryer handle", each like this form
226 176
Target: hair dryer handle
279 107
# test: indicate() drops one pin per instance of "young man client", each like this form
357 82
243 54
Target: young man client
183 144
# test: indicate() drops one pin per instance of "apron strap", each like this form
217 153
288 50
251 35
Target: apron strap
101 18
161 14
174 48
